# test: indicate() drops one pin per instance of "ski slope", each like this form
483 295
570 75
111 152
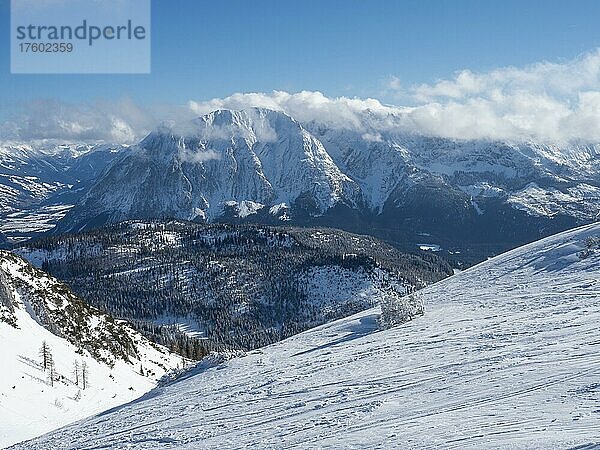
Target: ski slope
506 356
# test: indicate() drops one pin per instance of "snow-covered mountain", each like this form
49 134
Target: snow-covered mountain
505 357
465 193
90 362
227 161
264 166
380 157
40 182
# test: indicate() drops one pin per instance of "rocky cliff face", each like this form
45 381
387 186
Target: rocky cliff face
245 161
7 306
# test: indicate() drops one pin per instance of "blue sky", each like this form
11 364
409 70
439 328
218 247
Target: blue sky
511 69
205 49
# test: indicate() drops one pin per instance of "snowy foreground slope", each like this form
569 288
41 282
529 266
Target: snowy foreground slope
35 308
506 356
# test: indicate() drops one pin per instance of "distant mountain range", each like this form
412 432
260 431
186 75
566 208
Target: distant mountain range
469 199
40 181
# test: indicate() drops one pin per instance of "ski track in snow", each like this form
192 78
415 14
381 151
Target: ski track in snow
506 356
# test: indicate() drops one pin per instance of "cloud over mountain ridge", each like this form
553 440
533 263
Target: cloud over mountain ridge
546 102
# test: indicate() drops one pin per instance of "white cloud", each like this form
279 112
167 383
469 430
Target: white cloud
121 121
544 101
372 137
304 106
198 156
394 83
559 79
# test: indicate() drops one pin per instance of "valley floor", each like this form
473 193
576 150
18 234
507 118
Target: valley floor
506 356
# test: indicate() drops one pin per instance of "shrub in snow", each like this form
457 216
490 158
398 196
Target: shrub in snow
592 244
396 310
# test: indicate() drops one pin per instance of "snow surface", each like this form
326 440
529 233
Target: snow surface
186 325
29 404
429 247
245 208
332 287
506 356
22 224
579 201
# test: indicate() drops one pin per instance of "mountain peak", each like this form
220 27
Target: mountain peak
196 169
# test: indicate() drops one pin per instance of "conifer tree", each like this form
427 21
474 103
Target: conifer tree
84 375
51 370
76 372
45 354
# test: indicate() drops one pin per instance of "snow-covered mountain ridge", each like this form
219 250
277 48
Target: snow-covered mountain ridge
243 161
91 361
41 180
264 166
505 357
